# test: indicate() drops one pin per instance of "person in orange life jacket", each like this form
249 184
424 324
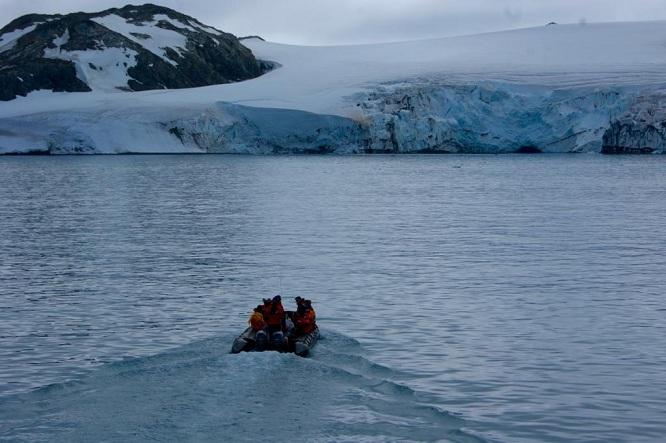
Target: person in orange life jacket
256 320
300 301
258 325
307 304
291 330
274 316
290 314
304 318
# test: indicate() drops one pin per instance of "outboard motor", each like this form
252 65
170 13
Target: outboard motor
279 342
261 340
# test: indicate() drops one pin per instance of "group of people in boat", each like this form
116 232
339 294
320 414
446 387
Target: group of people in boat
275 327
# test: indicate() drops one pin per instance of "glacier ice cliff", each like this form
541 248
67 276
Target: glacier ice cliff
228 128
413 117
491 118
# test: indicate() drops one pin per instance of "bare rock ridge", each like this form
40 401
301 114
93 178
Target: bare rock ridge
132 48
641 130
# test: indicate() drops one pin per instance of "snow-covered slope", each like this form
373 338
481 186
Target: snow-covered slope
557 88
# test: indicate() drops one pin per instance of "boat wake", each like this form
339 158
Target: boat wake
200 392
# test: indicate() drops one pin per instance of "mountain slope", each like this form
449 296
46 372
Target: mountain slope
132 48
563 88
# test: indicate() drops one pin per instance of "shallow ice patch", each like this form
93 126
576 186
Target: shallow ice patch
152 37
103 69
206 28
8 40
173 22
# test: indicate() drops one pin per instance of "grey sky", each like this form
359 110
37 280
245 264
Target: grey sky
365 21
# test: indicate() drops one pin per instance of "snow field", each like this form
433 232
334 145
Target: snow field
556 88
8 40
149 35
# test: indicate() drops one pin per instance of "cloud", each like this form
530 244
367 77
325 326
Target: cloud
365 21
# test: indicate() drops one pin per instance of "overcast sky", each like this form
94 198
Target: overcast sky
366 21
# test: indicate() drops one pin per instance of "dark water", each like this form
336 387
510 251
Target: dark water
505 298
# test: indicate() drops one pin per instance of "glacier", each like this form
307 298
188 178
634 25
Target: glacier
561 88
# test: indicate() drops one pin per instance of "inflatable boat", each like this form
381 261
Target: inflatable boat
299 345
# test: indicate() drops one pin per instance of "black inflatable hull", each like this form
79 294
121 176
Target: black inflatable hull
244 342
300 345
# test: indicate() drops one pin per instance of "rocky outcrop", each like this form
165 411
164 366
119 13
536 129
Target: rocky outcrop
642 130
249 37
132 48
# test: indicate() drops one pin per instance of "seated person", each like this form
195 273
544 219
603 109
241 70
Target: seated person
274 316
258 326
304 318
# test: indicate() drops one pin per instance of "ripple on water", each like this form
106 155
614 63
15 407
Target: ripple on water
199 391
524 293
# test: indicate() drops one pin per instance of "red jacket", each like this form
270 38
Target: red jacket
274 315
305 322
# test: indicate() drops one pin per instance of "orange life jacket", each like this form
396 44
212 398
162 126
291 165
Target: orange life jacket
305 322
274 315
257 321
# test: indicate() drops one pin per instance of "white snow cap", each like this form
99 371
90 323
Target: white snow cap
103 69
8 40
152 37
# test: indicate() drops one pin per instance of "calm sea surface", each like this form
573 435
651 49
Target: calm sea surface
463 298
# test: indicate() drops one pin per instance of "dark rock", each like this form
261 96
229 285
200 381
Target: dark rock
177 132
634 136
625 150
35 152
57 75
249 37
432 151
